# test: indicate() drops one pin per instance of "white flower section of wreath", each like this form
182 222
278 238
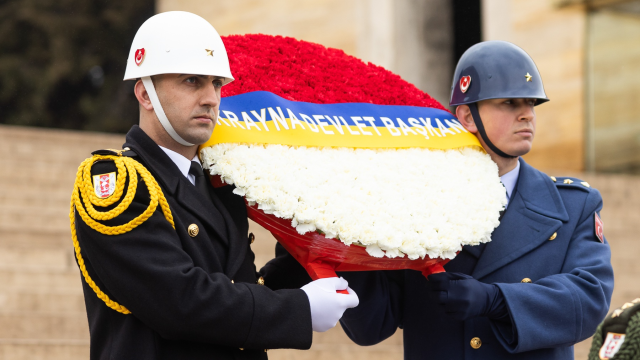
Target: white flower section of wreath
393 201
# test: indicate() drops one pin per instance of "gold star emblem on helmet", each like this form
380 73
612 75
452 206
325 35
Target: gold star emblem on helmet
528 76
209 52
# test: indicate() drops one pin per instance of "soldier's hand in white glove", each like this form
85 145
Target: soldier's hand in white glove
327 306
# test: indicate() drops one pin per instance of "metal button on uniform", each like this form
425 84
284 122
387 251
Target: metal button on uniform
476 343
232 282
252 238
568 181
260 281
525 280
585 184
193 230
553 237
553 178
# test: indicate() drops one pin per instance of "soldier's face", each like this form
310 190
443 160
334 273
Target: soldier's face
510 123
191 103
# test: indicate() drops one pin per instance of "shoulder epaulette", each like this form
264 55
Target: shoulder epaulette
107 162
124 152
571 183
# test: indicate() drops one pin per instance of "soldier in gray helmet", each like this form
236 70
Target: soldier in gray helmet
545 280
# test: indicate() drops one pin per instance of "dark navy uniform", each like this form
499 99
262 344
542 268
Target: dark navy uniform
178 287
545 257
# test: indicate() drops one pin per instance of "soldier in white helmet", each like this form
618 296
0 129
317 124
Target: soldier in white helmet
167 267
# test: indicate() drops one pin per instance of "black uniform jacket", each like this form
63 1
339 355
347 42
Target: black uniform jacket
179 288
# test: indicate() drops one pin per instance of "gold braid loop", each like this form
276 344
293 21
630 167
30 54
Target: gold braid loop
84 186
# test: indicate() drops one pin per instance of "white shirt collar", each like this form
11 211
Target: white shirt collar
182 163
510 179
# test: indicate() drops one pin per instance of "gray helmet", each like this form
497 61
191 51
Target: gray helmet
495 70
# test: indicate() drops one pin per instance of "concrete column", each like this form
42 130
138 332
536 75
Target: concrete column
413 38
376 29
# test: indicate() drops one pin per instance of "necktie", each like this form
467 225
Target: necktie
203 189
201 180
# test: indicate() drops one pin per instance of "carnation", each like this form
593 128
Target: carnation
416 202
303 71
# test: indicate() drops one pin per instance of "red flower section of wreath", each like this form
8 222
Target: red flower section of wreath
303 71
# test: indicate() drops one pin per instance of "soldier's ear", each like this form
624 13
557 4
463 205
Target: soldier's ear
142 96
463 113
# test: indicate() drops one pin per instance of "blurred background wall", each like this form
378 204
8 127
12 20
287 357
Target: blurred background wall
62 63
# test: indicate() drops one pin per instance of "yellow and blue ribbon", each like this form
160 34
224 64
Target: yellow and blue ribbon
262 117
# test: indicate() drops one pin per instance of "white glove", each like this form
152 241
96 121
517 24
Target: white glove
327 306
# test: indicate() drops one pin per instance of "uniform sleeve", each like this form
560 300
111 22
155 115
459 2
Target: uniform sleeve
377 316
284 271
147 271
562 309
379 313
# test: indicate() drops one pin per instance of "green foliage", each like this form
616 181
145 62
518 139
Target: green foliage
62 62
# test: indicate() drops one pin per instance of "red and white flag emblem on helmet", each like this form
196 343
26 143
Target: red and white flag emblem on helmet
465 81
104 185
139 56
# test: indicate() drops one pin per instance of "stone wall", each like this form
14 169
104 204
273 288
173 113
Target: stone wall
614 88
42 314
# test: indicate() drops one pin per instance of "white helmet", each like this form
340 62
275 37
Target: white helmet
175 42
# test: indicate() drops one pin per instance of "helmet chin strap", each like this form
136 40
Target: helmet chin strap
478 121
157 107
